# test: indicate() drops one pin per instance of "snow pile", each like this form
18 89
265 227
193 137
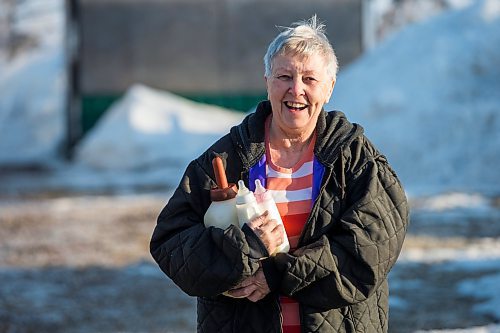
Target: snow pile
32 85
428 98
482 329
151 129
453 201
385 17
485 251
482 288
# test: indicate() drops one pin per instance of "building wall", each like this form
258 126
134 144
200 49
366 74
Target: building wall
197 46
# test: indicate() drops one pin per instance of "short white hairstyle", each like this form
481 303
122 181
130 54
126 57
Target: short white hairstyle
303 38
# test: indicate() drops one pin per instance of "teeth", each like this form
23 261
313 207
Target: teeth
295 105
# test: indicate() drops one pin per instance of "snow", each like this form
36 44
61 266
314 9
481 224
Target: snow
383 18
453 201
143 142
482 329
428 98
42 19
484 252
149 128
31 104
481 288
32 87
429 102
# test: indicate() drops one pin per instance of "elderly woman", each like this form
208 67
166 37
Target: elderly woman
343 208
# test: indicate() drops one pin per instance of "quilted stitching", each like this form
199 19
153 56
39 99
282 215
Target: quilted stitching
370 236
225 315
378 227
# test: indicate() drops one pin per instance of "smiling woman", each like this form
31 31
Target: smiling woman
298 88
298 83
343 210
300 72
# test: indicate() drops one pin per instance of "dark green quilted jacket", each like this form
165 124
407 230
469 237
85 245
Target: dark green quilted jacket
351 240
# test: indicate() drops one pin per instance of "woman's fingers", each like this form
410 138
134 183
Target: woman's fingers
256 296
270 232
261 287
276 236
259 221
246 282
243 291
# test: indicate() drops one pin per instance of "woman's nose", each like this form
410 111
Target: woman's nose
296 87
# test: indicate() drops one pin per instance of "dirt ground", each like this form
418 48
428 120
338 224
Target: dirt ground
82 264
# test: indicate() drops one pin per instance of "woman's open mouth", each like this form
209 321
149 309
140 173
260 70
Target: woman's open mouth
295 106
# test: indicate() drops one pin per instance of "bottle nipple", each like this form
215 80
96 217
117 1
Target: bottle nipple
260 191
244 195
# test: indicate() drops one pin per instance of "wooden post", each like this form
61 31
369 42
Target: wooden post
73 92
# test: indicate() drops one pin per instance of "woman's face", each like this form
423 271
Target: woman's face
298 88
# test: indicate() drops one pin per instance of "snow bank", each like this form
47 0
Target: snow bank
484 252
454 201
481 329
148 128
32 87
32 110
428 98
482 288
385 17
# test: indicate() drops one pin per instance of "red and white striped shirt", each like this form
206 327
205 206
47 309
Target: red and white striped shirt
291 188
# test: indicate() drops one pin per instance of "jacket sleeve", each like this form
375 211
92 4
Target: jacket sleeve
201 261
348 262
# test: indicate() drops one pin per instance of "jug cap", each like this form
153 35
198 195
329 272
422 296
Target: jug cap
222 194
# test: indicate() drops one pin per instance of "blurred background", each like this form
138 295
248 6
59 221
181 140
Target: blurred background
103 103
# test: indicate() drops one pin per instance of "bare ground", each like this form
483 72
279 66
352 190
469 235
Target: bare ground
82 264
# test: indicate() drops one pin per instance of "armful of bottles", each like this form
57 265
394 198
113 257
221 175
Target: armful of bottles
238 205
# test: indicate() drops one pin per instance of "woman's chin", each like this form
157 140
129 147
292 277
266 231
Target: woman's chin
295 126
298 119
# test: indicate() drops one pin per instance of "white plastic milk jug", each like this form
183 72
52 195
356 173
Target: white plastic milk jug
222 210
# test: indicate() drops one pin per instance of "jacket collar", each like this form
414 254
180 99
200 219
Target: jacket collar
333 132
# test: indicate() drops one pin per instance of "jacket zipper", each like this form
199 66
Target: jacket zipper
243 144
325 180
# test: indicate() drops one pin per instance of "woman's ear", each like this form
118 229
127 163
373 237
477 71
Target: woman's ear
267 89
330 91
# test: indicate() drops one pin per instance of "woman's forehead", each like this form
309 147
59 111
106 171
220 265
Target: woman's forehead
299 62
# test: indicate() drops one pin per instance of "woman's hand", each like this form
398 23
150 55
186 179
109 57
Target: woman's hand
270 232
254 287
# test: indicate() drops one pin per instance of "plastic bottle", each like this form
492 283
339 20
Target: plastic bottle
266 202
222 210
246 205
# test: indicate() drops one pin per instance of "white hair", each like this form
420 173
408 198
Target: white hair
302 38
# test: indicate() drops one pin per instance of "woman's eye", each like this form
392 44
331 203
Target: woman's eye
284 77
